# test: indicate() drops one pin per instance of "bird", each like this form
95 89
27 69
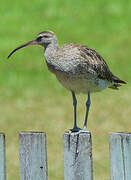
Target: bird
79 68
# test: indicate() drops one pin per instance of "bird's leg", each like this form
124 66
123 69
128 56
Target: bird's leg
75 128
88 102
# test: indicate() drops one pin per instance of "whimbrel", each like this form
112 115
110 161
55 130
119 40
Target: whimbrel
78 68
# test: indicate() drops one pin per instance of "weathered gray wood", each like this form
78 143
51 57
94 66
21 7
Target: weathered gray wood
33 156
78 163
120 156
2 157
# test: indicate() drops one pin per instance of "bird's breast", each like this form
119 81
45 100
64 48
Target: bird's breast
76 77
64 66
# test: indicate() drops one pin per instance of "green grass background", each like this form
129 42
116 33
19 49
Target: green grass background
31 99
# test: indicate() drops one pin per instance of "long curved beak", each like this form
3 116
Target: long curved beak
23 45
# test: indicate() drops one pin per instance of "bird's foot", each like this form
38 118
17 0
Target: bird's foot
75 129
79 130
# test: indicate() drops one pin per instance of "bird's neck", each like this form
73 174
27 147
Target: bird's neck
53 45
50 51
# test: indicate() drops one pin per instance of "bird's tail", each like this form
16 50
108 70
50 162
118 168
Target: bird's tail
117 82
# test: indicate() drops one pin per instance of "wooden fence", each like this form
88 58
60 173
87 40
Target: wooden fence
78 164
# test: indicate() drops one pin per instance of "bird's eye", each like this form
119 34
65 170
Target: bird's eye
45 36
39 38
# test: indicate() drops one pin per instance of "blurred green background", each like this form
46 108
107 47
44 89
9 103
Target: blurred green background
31 99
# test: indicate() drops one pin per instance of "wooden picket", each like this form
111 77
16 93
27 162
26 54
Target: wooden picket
78 163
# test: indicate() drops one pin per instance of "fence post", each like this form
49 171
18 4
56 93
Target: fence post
120 156
33 156
78 163
2 157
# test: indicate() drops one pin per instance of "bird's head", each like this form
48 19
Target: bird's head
44 39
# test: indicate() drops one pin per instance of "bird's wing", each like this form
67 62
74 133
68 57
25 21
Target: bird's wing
89 59
96 63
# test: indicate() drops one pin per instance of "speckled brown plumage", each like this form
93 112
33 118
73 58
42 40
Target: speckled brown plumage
81 62
78 68
77 63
